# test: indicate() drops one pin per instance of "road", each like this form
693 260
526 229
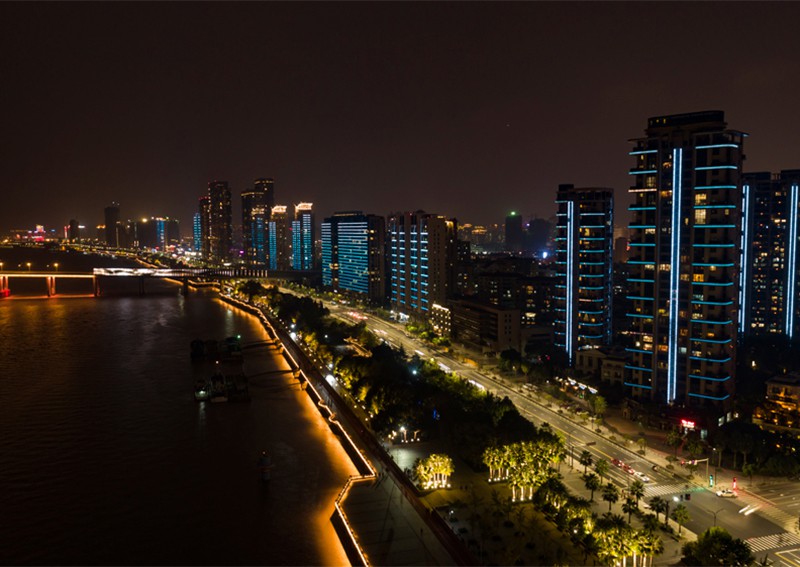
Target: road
753 517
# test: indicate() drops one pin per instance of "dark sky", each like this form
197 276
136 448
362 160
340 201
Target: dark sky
469 110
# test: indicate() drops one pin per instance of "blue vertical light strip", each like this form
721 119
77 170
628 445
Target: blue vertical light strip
791 262
674 275
610 270
570 277
744 272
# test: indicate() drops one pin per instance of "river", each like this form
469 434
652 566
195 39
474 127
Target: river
106 458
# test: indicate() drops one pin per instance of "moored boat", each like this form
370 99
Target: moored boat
202 390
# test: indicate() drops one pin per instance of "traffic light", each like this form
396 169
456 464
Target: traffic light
683 462
734 482
711 480
688 496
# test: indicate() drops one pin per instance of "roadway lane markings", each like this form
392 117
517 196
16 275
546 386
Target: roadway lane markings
773 541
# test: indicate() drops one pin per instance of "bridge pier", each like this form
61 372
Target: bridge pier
96 282
4 289
51 286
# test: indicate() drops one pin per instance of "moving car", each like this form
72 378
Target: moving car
726 493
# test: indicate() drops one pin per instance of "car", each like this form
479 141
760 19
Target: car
726 493
617 462
628 469
641 476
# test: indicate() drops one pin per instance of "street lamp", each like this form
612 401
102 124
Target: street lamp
715 515
29 265
55 264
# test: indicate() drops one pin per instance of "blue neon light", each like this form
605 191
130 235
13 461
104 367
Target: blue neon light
715 226
704 264
639 350
708 167
639 316
791 262
629 367
674 276
707 187
570 271
715 206
638 386
717 146
725 397
715 360
641 208
640 152
642 172
730 245
698 302
713 341
743 274
709 378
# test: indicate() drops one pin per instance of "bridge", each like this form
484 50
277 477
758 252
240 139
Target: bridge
182 274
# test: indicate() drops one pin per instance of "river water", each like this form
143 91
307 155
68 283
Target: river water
106 458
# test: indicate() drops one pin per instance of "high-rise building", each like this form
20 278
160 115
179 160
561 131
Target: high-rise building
279 256
514 234
112 225
255 216
197 232
303 237
584 257
422 261
266 185
204 211
73 231
684 263
769 274
353 254
220 222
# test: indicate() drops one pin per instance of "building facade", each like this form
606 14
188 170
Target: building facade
684 262
422 261
204 212
220 222
255 216
303 236
514 233
584 257
111 214
278 237
353 254
768 288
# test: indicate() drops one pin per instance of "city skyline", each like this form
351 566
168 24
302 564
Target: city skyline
376 107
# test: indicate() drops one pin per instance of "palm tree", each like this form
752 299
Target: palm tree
629 507
636 489
681 516
610 494
658 505
601 468
585 459
592 483
674 439
642 442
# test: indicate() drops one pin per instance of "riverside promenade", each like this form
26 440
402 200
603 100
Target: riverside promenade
379 516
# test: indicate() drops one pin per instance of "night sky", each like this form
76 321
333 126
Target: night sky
469 110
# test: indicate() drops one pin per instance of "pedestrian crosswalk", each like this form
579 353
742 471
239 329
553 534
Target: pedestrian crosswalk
773 541
651 490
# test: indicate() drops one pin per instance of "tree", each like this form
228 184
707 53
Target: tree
585 459
610 494
681 516
749 470
601 468
642 442
658 505
251 288
636 489
592 483
674 439
716 546
630 507
599 406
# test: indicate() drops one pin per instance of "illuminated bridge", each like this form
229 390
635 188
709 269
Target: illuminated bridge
183 274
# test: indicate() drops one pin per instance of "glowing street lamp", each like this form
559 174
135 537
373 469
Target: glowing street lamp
29 265
55 265
403 431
